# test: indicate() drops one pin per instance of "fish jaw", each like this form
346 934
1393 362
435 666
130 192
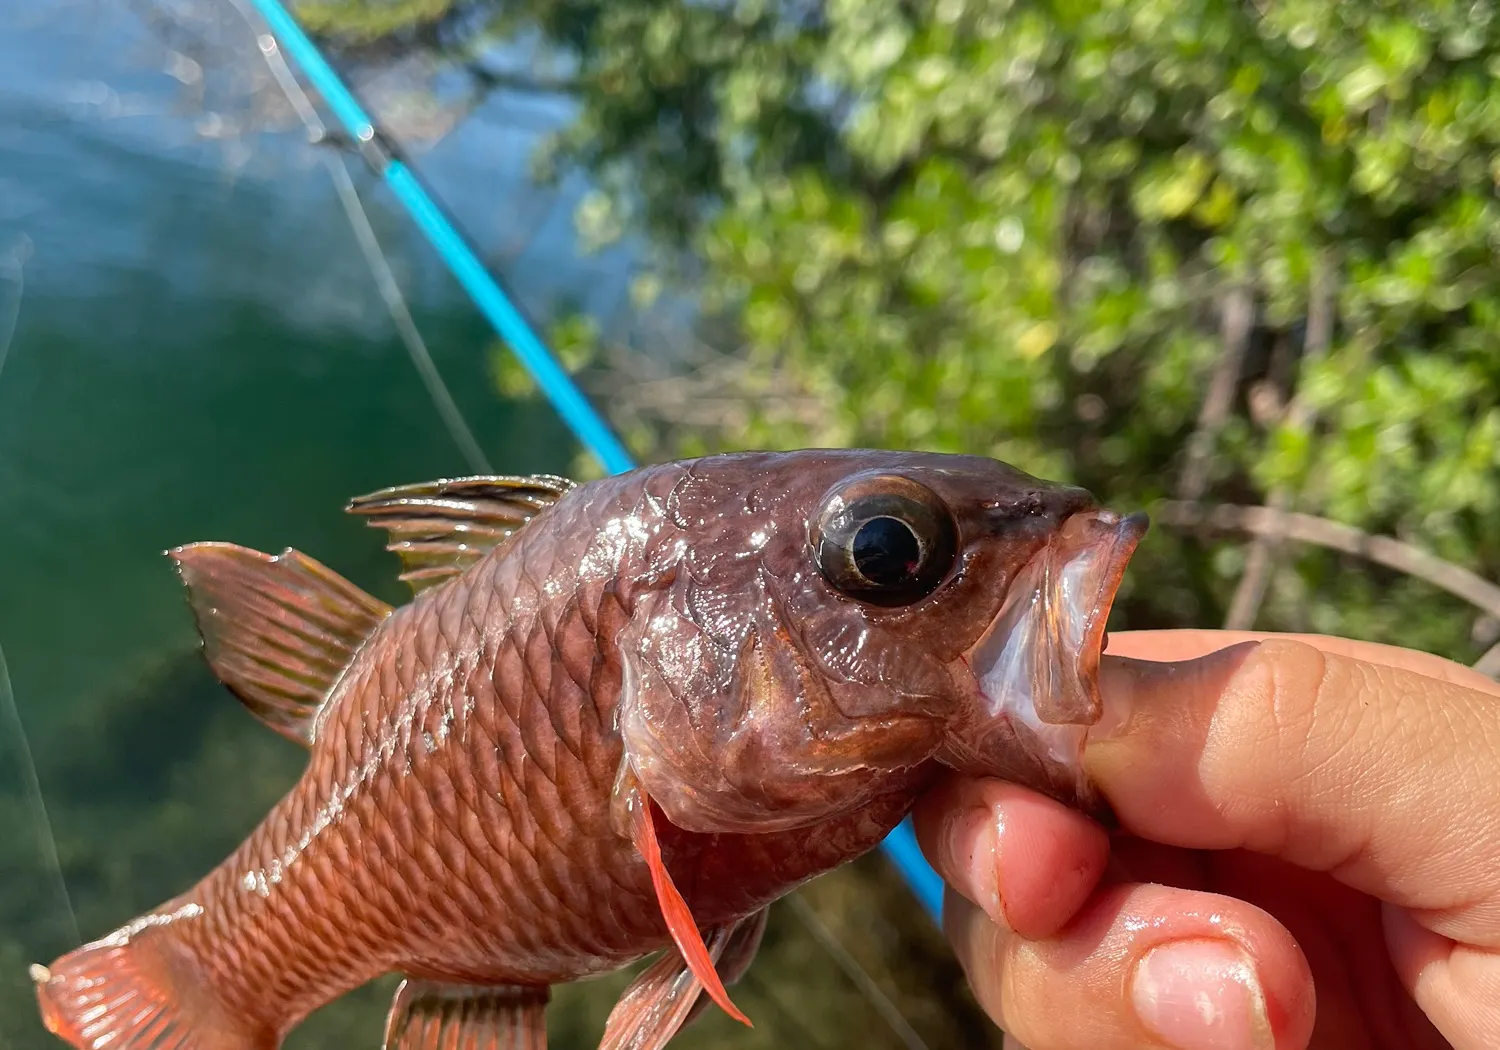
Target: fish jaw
1034 673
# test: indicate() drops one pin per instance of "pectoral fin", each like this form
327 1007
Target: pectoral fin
674 909
739 953
666 997
425 1015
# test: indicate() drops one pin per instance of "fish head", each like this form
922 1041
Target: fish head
829 626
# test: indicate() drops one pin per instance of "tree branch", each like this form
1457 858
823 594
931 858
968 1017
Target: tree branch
488 78
1320 532
1260 562
1238 317
1489 663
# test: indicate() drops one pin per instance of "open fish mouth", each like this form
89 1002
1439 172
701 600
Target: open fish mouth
1037 665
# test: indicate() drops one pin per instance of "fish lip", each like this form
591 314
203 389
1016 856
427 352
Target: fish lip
1036 666
1125 536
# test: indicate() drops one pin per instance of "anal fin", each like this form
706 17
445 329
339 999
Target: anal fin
278 631
680 922
667 996
426 1015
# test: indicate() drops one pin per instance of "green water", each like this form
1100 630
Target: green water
199 354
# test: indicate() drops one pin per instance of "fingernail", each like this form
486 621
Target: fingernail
1201 995
970 841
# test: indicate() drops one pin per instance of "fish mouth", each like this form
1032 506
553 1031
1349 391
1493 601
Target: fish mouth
1037 664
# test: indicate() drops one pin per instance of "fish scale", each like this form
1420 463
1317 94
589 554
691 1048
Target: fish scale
521 777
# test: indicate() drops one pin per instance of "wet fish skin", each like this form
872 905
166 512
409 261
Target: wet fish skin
460 818
858 691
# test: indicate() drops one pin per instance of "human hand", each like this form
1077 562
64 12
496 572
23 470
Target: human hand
1296 811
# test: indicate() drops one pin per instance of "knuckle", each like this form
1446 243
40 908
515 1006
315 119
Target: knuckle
1273 723
1288 679
1314 735
1271 700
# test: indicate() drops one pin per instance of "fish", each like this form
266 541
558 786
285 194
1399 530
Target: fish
616 719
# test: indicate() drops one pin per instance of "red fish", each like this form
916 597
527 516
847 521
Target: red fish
617 718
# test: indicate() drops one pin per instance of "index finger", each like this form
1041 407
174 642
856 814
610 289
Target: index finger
1382 776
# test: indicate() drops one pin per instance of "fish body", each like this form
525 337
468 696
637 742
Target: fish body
616 718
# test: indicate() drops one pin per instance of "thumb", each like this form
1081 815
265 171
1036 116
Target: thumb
1380 776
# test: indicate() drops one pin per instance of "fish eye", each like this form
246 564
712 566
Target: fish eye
883 540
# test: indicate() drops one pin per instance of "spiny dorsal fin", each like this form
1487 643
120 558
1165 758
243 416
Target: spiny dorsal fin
440 528
278 631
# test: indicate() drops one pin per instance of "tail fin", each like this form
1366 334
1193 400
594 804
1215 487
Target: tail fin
139 989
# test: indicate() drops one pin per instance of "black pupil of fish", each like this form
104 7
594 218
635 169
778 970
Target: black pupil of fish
886 551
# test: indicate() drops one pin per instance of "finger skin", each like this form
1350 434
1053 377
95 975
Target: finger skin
1187 644
1374 764
1456 985
1380 776
1073 989
1028 861
1362 1001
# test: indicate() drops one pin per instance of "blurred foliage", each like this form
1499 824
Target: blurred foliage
363 21
1013 227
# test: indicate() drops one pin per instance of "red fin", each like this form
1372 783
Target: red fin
657 1004
744 942
279 632
133 990
667 997
675 910
425 1014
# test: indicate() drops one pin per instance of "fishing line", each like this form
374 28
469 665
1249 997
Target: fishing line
395 303
456 250
767 990
888 1010
12 715
521 243
13 271
369 246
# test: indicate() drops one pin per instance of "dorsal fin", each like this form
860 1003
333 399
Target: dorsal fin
440 528
278 631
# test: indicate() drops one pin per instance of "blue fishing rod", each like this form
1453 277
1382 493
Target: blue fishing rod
509 322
